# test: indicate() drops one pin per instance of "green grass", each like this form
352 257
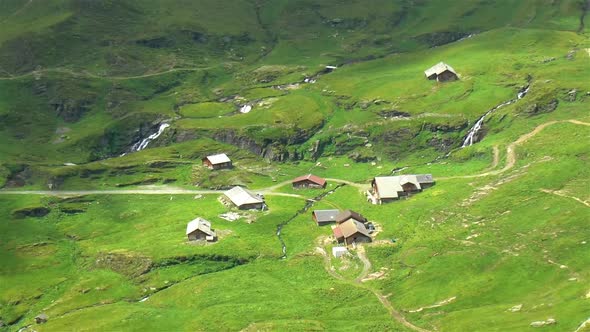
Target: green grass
492 242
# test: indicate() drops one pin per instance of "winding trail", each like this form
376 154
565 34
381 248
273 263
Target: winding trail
153 191
358 283
35 73
511 150
561 194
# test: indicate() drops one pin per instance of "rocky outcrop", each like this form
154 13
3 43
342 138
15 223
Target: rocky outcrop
35 212
541 108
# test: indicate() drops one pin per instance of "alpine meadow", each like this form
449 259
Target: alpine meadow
295 165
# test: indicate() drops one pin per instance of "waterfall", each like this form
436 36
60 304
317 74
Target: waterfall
246 109
472 133
144 142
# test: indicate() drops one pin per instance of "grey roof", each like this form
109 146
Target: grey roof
438 69
241 196
425 178
388 186
199 224
221 158
325 215
391 186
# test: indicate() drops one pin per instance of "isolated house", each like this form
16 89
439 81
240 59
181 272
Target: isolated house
244 199
41 318
441 72
389 188
200 229
324 217
309 181
351 231
217 161
348 215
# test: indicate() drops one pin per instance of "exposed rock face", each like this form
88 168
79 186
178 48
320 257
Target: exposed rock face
233 138
70 110
35 212
540 108
394 114
447 143
571 95
441 38
549 321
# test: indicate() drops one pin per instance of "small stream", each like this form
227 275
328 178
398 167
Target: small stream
471 137
308 204
140 145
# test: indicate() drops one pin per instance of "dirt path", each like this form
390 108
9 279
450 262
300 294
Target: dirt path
511 150
361 186
153 191
90 75
561 194
496 159
360 251
358 283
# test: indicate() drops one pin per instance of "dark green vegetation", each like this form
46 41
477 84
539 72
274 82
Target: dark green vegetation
81 81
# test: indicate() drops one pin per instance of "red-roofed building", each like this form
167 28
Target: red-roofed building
338 234
309 181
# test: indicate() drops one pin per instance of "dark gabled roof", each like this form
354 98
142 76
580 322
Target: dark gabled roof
325 215
425 178
315 179
347 214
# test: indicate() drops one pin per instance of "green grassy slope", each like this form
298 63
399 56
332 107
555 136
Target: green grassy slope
505 225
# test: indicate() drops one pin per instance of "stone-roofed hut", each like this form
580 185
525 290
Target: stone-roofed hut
441 72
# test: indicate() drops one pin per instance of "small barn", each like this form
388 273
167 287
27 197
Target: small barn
217 161
441 72
244 199
348 215
351 231
200 229
309 181
324 217
41 318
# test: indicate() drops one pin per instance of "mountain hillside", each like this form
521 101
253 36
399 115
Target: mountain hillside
107 107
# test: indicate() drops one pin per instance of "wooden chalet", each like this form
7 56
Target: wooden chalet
244 199
441 72
217 161
324 217
309 181
200 229
351 231
388 188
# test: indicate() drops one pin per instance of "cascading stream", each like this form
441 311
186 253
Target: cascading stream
138 146
309 203
472 134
